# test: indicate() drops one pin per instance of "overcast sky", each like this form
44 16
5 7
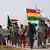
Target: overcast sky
16 9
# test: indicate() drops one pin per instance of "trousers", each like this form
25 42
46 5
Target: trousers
31 41
22 40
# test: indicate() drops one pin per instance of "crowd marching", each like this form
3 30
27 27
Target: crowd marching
27 34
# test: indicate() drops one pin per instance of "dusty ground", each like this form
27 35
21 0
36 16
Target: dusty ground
9 48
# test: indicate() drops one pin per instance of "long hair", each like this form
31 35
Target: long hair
26 29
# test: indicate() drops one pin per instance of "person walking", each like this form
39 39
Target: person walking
45 34
2 38
16 36
48 34
22 35
26 35
40 31
31 31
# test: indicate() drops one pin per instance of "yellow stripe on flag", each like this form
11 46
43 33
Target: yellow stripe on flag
33 14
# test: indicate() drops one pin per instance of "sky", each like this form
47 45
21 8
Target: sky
17 9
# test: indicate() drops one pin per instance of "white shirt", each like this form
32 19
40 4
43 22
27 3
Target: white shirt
21 31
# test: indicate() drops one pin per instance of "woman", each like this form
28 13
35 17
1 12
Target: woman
26 34
22 35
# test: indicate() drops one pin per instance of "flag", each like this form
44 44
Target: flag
9 21
14 20
37 9
32 14
34 22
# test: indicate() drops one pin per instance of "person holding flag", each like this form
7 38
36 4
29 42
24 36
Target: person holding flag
31 32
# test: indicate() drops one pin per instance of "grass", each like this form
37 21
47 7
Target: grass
3 47
10 49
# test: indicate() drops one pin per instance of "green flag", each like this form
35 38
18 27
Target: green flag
9 21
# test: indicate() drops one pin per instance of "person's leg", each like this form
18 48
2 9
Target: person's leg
7 40
0 43
13 41
10 39
24 41
49 40
38 42
41 43
44 41
4 43
41 40
31 42
16 40
19 43
21 40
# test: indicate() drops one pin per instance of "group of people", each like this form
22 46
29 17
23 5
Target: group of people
18 34
28 34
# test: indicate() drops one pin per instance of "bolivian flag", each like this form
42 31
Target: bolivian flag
32 14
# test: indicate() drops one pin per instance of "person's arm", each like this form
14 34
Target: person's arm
37 30
34 30
19 32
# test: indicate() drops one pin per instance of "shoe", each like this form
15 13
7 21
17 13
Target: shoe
44 46
31 48
48 41
13 46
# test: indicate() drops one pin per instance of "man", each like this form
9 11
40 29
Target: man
2 39
45 34
40 31
15 33
31 32
1 30
48 34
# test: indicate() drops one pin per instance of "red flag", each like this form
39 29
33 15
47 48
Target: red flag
30 10
14 20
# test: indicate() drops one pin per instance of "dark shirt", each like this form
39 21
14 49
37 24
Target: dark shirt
2 39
